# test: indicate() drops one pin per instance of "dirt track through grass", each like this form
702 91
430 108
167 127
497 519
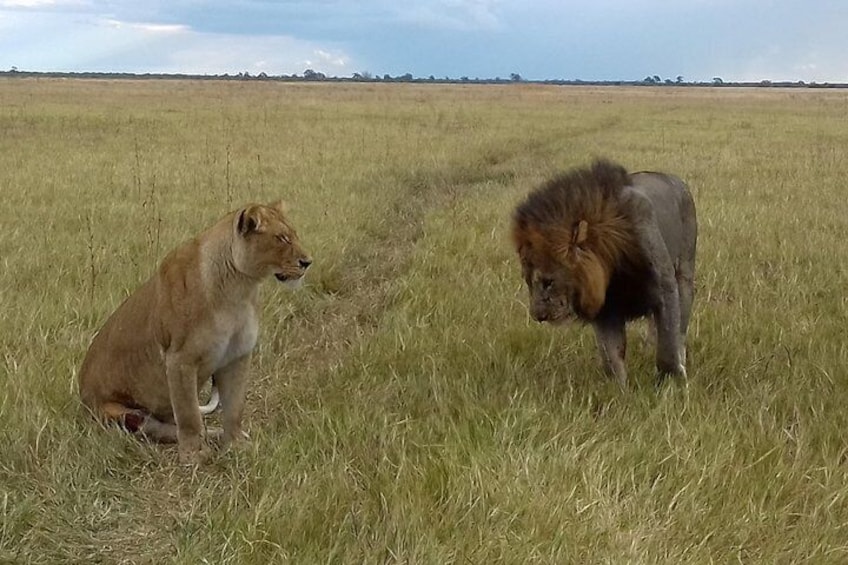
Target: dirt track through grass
357 292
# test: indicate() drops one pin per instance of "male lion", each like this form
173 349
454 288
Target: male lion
607 247
195 318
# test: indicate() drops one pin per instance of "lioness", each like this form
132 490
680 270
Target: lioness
606 247
197 317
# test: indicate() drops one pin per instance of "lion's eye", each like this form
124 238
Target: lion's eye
546 283
284 239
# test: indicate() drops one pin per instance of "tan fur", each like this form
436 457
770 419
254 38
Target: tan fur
197 317
592 276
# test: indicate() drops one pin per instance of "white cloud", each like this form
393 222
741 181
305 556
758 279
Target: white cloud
334 59
37 3
537 38
782 63
147 27
220 53
54 42
458 15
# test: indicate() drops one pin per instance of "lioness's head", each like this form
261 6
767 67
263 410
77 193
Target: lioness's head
267 244
565 279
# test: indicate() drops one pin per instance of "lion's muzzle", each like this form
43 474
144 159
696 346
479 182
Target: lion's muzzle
540 316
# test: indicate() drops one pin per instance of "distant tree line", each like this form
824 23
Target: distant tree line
311 75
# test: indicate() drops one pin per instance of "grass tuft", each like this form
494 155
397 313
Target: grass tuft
403 408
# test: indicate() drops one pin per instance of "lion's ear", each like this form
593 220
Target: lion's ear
280 206
581 233
249 220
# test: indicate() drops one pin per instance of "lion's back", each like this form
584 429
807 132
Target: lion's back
673 210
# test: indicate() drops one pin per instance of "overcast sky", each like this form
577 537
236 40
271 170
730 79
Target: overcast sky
539 39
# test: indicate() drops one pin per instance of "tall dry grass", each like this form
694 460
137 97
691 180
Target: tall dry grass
403 408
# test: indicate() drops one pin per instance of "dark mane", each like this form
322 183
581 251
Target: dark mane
582 193
593 194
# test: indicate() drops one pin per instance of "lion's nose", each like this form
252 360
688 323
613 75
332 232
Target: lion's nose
304 263
540 316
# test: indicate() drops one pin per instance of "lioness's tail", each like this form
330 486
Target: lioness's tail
135 420
210 406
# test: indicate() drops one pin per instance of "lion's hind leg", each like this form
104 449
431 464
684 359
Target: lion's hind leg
685 276
138 421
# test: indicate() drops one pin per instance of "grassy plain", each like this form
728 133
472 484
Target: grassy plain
403 408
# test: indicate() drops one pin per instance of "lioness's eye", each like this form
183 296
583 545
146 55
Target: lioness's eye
284 239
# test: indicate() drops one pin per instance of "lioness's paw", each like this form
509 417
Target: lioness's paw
194 456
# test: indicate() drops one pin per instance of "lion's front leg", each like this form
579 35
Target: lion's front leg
232 384
182 388
670 352
612 345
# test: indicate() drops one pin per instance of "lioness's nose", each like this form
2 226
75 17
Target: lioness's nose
304 263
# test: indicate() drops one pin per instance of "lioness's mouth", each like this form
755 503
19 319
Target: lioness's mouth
293 282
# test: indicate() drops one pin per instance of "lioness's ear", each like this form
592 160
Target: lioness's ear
581 232
280 205
249 220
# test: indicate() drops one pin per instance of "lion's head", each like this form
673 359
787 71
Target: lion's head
571 234
267 244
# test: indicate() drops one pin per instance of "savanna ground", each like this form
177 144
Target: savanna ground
403 407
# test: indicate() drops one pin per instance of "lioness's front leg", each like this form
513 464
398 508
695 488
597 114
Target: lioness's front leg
182 388
232 384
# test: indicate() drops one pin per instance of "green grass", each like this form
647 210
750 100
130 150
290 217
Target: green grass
403 408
